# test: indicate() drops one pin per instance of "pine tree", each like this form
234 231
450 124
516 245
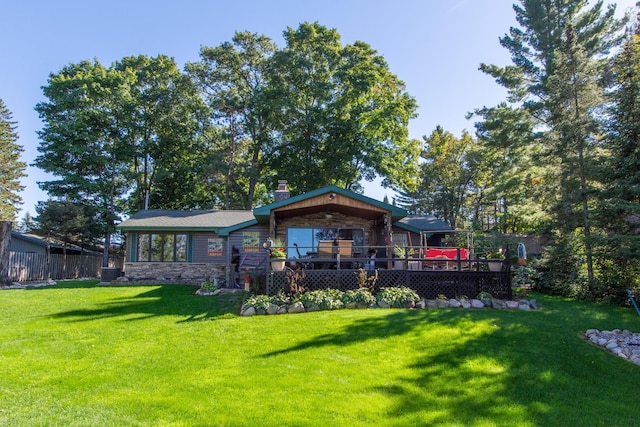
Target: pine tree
11 168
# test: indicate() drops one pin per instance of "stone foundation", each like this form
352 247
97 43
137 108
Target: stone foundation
170 272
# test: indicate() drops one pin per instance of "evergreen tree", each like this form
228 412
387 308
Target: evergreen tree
553 37
11 168
619 199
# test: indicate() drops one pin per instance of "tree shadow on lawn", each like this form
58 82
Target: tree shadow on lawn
161 300
530 368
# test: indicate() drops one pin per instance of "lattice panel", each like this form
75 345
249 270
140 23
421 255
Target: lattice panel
427 283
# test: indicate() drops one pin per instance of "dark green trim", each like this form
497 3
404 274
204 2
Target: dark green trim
171 229
133 247
226 231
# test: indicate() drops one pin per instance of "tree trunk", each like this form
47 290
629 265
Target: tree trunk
5 238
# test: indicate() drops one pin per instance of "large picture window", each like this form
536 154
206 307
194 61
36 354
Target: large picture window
164 247
307 239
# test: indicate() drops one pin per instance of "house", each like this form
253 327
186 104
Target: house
30 243
195 246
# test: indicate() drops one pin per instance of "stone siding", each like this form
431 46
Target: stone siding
171 272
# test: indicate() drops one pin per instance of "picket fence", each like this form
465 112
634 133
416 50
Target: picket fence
29 267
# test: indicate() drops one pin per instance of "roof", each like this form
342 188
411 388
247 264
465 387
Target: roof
262 213
30 238
422 223
197 220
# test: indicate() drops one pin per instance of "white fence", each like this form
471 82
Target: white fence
29 267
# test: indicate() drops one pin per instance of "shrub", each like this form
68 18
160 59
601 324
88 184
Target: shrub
525 276
398 297
367 281
327 299
257 302
358 296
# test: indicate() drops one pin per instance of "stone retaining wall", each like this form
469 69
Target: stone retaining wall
171 272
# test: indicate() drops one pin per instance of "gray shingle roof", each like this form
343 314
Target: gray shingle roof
423 223
185 220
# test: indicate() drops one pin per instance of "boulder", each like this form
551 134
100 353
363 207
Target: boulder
454 303
272 309
477 303
250 311
511 305
498 304
441 303
296 307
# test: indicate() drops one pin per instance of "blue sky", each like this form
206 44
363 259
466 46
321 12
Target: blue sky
434 46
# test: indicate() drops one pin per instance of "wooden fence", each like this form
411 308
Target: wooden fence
30 267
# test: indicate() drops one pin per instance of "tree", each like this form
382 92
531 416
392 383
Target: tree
80 141
618 212
558 53
446 178
574 96
232 80
26 224
157 122
68 222
338 113
11 168
5 239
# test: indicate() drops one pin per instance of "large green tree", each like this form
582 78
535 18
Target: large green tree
618 212
232 80
158 123
446 179
11 168
339 115
80 142
558 53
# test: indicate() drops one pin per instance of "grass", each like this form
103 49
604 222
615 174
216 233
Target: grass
77 354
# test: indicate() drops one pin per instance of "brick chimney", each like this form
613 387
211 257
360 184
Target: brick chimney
281 193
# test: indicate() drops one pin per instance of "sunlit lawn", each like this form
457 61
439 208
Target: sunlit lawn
86 355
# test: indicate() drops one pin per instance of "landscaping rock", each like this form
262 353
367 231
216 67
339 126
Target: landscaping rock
498 304
282 309
440 303
465 303
477 303
512 305
313 307
350 305
534 304
431 303
454 303
250 311
383 304
296 307
421 304
624 344
272 309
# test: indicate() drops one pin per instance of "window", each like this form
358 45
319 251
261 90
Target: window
307 239
162 247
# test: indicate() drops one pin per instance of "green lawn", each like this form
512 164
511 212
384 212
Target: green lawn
77 354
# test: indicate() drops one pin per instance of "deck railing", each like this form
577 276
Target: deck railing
429 277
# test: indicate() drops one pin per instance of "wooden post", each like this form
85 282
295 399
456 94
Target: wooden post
5 238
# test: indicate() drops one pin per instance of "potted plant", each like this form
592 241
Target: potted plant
496 260
402 253
277 255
